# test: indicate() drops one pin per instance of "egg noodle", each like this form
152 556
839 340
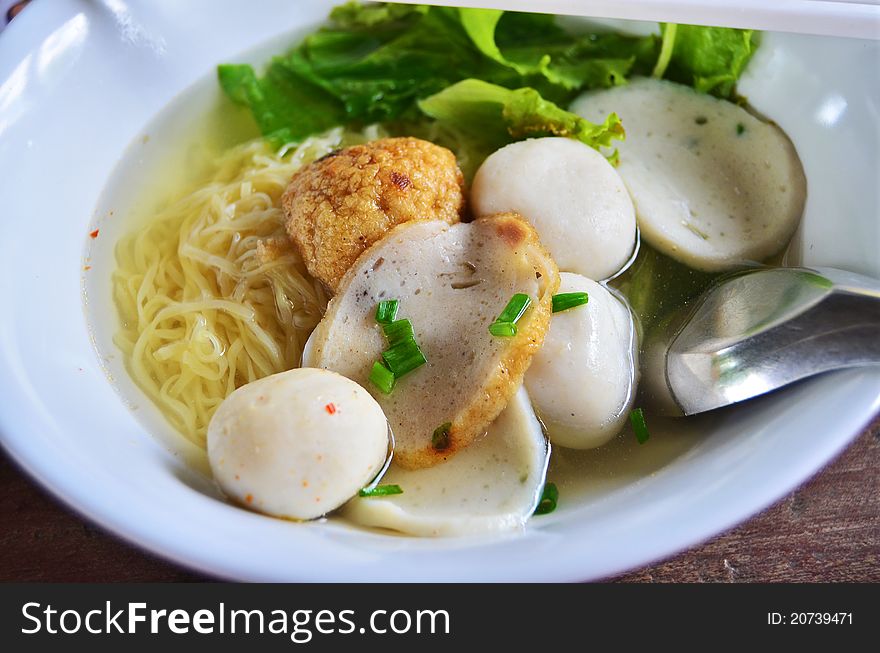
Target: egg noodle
210 293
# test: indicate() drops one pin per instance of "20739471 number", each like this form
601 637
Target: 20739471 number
808 618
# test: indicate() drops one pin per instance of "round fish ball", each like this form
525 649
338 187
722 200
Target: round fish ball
582 381
570 193
297 444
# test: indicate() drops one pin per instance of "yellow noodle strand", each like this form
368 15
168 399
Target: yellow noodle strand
201 312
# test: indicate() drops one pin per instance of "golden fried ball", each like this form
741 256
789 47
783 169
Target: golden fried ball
339 205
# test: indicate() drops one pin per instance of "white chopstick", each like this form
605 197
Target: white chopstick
856 19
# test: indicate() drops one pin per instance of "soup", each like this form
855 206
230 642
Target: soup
218 290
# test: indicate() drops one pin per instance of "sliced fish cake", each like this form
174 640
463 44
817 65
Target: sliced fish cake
713 186
452 282
494 485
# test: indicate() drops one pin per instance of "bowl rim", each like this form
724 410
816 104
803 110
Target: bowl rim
71 487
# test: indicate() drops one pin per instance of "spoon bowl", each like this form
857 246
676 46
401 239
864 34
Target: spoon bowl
755 331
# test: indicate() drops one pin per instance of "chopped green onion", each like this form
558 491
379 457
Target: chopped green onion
403 354
398 331
502 329
640 426
549 497
504 325
740 129
380 491
382 377
440 438
515 308
386 311
403 358
566 300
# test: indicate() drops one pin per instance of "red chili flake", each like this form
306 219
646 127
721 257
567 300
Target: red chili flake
249 498
330 408
94 234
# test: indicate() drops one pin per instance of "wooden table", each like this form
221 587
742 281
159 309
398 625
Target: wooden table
828 530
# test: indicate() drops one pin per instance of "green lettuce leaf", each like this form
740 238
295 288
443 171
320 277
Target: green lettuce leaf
487 116
711 59
379 71
534 45
373 62
480 25
353 15
286 107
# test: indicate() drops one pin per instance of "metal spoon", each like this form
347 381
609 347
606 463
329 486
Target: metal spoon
756 331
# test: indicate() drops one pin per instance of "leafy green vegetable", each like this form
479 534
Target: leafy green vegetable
287 107
666 48
480 25
377 70
354 14
711 59
375 62
490 116
535 47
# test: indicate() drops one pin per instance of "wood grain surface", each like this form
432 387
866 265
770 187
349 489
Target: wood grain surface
828 530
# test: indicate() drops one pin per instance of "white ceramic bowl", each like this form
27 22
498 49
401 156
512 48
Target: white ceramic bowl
79 83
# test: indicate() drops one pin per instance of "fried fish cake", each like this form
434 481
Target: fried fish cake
339 205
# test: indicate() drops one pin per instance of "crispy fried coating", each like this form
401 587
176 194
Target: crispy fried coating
339 205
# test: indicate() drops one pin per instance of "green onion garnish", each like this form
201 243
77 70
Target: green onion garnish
386 311
549 497
566 300
515 308
403 354
382 377
740 129
640 426
504 325
398 331
403 358
380 491
502 329
440 438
